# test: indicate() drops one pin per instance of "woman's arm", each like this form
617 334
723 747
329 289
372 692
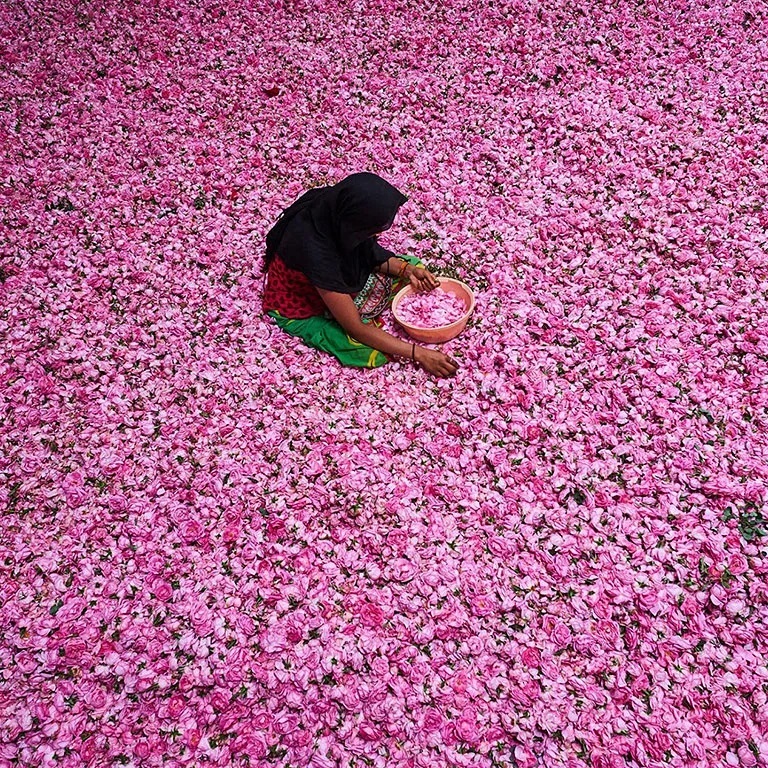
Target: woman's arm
344 310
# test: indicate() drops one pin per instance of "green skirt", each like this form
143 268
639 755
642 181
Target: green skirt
326 334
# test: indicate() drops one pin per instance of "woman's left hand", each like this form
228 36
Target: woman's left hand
422 279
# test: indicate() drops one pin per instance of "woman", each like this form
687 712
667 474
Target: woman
328 278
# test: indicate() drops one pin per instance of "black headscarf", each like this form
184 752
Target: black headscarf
328 233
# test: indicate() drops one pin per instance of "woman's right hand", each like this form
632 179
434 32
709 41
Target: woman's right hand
435 362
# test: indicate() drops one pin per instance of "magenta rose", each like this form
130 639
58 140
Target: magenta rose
231 533
532 432
369 731
524 758
191 531
433 721
219 701
176 706
74 649
403 570
467 731
531 657
371 615
738 564
162 589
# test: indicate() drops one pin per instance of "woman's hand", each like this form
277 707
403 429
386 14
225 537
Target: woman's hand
422 279
435 362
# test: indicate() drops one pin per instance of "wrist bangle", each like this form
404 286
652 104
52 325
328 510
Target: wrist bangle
413 353
402 269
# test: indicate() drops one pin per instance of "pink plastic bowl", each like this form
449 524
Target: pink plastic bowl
444 332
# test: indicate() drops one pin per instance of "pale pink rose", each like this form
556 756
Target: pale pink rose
561 635
746 756
467 730
142 750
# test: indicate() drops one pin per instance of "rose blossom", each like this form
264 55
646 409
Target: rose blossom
371 615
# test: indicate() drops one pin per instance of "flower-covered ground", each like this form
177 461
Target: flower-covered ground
220 548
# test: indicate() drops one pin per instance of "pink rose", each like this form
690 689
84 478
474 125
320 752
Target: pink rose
533 432
231 533
402 569
433 721
482 605
689 606
531 657
142 750
524 758
162 589
26 662
261 720
176 706
192 737
369 731
746 756
561 635
608 631
74 649
371 615
738 564
397 538
191 531
253 745
466 730
275 529
219 701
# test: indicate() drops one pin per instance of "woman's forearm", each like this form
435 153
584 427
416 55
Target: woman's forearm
348 317
374 337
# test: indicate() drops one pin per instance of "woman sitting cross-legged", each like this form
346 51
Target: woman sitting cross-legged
328 279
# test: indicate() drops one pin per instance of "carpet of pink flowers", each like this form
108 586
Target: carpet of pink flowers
431 310
218 547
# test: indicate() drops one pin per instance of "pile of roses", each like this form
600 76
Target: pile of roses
217 547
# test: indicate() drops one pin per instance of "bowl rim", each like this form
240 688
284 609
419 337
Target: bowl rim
409 289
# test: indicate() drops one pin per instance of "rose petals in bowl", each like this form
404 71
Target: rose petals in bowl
431 310
436 316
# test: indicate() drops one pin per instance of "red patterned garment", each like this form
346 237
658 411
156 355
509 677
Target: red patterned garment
289 292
